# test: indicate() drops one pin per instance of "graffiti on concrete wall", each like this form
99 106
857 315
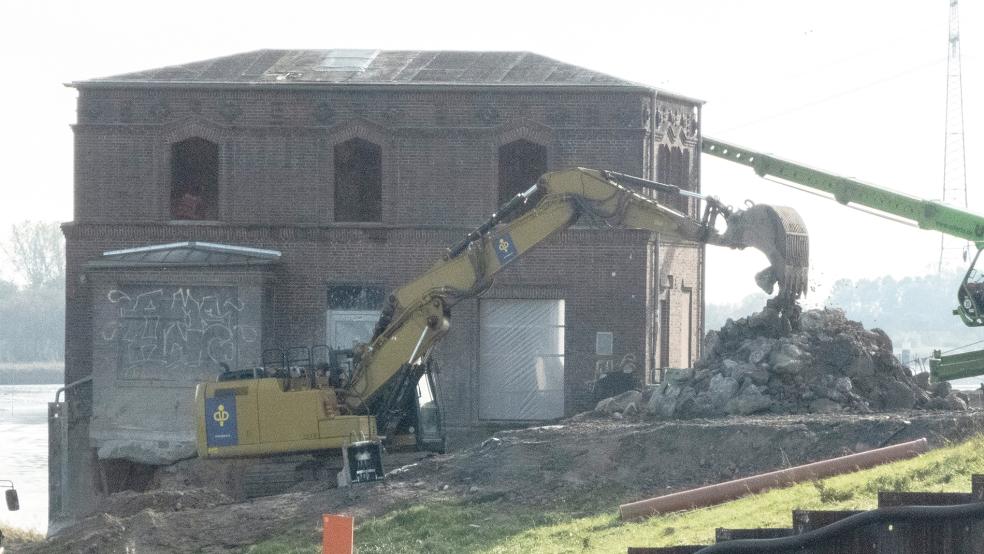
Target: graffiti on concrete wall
174 332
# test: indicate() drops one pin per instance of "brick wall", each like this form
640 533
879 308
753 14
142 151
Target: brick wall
438 149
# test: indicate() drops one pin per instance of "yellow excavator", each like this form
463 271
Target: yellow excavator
375 390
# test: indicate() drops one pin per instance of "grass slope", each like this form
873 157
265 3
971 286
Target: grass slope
590 523
12 536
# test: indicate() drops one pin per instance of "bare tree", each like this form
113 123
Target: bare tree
37 251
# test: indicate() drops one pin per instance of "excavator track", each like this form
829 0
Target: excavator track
278 475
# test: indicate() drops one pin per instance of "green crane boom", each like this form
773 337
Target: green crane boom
926 214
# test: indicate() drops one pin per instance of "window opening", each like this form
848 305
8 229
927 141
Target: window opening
521 163
673 168
352 314
663 173
195 179
680 176
358 181
664 332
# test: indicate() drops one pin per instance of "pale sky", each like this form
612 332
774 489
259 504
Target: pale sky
855 87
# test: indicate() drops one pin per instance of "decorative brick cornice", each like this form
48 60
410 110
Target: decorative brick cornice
194 127
676 125
524 130
362 128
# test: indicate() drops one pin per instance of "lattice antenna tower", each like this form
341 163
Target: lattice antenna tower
953 249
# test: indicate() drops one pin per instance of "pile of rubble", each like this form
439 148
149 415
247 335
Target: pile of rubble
759 364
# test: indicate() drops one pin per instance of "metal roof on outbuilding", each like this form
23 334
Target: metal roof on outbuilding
183 254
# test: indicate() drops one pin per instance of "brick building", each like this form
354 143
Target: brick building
273 198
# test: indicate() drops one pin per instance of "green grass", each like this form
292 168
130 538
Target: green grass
589 522
14 535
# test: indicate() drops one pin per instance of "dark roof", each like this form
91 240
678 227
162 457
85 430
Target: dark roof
186 254
372 67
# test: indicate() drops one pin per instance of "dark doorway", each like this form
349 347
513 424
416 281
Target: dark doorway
195 179
358 181
521 163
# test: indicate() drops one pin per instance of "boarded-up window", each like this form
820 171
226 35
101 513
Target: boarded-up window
521 359
521 163
358 181
195 179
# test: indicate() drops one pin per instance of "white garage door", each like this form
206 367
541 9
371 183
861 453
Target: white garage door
521 359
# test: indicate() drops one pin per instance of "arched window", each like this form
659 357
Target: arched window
521 163
673 168
680 176
195 179
663 164
358 181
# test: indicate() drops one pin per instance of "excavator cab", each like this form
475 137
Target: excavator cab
970 296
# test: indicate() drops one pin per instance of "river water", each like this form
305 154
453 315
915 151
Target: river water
24 452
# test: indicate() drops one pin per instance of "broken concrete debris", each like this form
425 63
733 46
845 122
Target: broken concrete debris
757 364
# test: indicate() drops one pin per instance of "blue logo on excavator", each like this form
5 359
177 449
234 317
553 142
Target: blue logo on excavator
505 249
220 421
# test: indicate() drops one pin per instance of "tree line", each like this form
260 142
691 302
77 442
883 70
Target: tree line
32 296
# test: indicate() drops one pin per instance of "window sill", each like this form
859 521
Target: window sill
359 224
209 222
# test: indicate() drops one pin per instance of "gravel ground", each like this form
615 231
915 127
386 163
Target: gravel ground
546 467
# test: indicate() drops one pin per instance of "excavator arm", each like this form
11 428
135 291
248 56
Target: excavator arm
418 315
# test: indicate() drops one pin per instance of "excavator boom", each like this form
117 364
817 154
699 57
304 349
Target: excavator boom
279 413
418 313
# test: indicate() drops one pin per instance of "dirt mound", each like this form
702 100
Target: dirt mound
615 460
127 503
586 465
825 364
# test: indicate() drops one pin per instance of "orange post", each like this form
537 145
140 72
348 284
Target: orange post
338 536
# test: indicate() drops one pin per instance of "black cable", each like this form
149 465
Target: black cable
964 346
